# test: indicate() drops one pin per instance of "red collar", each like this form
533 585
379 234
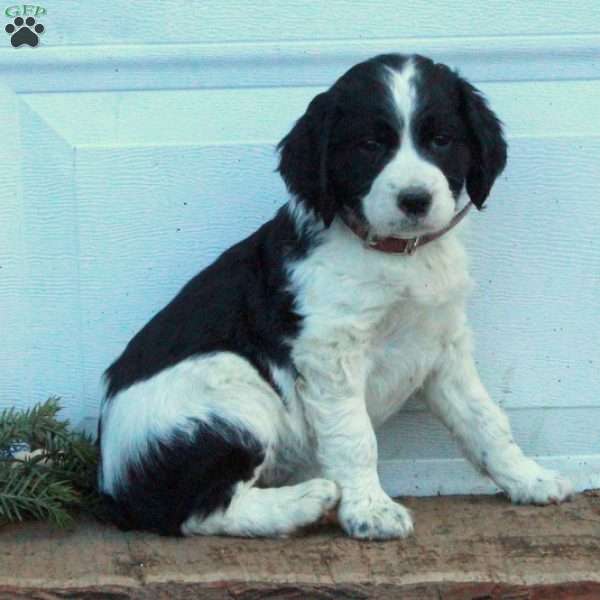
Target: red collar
394 245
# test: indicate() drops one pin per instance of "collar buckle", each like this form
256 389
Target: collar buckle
411 246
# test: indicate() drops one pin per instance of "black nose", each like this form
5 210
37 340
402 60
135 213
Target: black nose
414 201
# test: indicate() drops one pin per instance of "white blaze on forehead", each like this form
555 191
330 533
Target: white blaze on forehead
402 84
408 168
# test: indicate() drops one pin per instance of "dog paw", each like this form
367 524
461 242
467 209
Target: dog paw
541 487
313 499
375 518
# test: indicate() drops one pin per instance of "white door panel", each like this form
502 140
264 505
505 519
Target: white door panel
137 142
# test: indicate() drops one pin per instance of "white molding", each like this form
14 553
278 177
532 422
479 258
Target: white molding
242 64
452 476
441 476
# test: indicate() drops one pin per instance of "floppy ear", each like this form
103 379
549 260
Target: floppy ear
303 157
488 147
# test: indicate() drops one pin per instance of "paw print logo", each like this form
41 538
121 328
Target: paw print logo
24 32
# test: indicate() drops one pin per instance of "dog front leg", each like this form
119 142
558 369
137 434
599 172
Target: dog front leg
332 387
456 395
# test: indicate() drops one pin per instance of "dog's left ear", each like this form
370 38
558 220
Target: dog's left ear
488 147
303 157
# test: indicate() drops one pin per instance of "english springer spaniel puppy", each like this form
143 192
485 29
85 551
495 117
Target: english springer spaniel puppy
248 405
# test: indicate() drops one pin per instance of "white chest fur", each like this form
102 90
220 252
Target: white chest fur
395 313
405 352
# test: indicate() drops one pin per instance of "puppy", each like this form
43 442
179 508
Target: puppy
248 405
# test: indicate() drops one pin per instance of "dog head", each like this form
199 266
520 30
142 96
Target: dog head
395 141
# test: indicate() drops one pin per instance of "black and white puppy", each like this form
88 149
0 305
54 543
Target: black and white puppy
248 405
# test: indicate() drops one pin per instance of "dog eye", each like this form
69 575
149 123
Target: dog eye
371 145
441 140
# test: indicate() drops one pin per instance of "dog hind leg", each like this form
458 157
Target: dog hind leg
267 512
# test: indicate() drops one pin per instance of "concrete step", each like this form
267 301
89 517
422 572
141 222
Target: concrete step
463 547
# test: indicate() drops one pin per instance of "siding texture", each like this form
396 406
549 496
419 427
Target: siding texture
137 142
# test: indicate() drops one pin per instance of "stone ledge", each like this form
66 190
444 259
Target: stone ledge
441 591
464 547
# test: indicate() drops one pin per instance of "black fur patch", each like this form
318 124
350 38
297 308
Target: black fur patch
182 475
239 304
323 160
350 132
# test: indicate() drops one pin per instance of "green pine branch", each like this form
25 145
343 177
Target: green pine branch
31 425
28 493
58 478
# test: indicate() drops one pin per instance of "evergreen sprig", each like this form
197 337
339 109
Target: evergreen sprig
55 476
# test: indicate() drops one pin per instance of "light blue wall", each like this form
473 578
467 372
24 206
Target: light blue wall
137 142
